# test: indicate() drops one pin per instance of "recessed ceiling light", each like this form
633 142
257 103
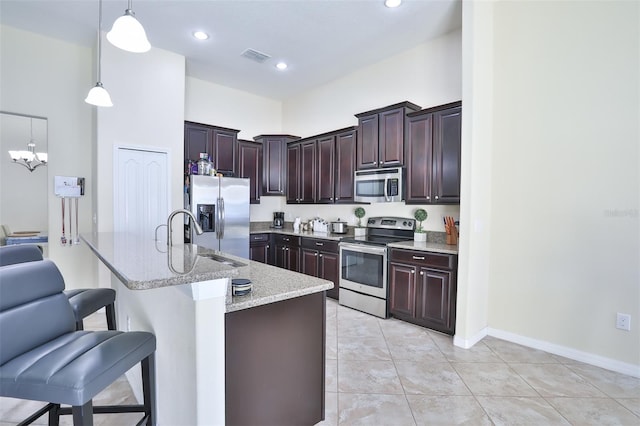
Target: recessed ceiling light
281 66
392 3
201 35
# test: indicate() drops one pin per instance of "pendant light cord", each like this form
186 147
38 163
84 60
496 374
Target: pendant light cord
100 42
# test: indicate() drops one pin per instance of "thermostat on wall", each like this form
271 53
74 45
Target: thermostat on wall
68 186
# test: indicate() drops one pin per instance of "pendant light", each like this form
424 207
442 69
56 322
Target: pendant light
98 95
128 34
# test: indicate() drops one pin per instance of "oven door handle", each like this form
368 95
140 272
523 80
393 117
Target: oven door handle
363 248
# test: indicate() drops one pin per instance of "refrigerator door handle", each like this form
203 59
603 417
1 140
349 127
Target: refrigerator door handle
220 218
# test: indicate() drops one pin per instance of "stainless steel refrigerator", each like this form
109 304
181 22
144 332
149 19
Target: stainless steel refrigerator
221 205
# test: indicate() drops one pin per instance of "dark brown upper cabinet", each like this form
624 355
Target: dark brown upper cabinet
433 155
320 168
301 172
218 142
274 162
381 136
345 165
250 166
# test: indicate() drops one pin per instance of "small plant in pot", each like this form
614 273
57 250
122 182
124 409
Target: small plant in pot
359 230
420 234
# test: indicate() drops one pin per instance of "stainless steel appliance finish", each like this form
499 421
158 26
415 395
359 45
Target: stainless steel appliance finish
339 227
379 185
221 206
363 264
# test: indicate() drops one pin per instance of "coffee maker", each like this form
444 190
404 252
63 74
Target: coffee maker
278 219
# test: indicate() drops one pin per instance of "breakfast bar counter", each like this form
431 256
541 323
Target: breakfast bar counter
221 359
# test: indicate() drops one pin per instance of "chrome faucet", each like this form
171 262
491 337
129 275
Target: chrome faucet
196 225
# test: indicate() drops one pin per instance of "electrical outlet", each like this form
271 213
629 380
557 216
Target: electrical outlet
623 321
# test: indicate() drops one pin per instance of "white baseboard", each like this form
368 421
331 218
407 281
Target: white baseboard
467 343
574 354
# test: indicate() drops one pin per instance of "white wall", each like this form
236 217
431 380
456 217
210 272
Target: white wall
50 78
565 182
427 75
217 105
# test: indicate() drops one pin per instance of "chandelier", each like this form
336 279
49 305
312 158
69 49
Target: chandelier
29 158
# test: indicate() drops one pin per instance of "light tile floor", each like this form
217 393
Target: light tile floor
388 372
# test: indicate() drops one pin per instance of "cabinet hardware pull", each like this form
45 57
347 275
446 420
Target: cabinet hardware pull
436 197
418 257
421 272
319 244
413 272
428 198
315 254
375 162
321 255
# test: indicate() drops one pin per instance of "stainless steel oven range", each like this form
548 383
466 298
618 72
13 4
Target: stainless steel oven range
363 264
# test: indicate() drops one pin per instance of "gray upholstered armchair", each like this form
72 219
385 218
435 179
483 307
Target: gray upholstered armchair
44 358
84 301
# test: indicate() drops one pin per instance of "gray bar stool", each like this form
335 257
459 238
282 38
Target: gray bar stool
44 358
83 301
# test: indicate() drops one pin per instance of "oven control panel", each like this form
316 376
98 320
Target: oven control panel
387 222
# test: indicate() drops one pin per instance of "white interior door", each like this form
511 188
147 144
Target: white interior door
141 191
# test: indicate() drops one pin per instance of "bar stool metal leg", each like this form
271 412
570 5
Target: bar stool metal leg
111 316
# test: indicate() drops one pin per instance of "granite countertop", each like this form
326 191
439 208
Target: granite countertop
143 264
435 240
426 246
261 227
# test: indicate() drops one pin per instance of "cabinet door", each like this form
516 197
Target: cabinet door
196 140
433 299
259 252
308 172
446 155
329 267
402 290
309 262
345 166
391 138
274 166
367 152
250 166
294 258
224 147
419 159
326 170
280 256
293 173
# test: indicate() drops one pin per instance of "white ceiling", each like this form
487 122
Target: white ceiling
320 39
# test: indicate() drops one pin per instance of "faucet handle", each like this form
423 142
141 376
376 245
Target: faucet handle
158 227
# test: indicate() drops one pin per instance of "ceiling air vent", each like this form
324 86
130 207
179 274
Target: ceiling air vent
254 55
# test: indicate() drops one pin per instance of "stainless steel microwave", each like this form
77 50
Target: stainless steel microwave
379 185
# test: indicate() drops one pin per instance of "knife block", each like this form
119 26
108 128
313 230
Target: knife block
452 237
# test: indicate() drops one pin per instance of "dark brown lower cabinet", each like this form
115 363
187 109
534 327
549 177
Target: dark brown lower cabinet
275 363
286 252
319 258
260 247
423 288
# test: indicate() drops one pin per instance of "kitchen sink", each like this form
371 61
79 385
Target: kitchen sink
223 259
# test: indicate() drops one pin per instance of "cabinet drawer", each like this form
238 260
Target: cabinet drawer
320 244
422 258
258 238
287 240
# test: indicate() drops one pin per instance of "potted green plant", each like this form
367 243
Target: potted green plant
420 234
359 230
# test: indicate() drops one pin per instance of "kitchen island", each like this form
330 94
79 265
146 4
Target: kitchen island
221 359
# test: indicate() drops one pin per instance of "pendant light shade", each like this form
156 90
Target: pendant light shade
98 95
128 34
